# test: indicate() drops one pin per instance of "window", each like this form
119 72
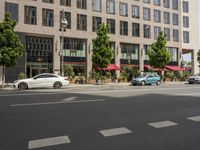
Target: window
135 29
123 28
147 31
96 21
166 3
157 17
67 16
65 2
156 2
96 5
166 17
82 4
110 6
175 35
129 51
175 19
47 17
111 26
112 47
157 31
175 4
185 7
185 37
30 15
12 8
167 33
146 1
146 56
81 22
186 21
48 1
147 14
123 9
135 11
173 52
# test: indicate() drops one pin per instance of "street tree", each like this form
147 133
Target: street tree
198 57
10 45
102 53
158 55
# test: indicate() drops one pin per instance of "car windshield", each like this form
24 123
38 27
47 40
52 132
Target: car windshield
143 75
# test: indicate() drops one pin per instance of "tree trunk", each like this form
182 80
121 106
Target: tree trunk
3 76
162 75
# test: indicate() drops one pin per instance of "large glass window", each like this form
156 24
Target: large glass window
185 7
167 33
96 21
146 1
186 37
147 31
110 6
175 35
75 47
67 16
157 16
166 17
175 4
166 3
96 5
146 48
81 22
65 2
30 15
135 11
47 17
111 26
156 2
173 52
129 51
186 21
12 8
123 28
147 14
157 31
123 9
47 1
175 19
135 29
82 4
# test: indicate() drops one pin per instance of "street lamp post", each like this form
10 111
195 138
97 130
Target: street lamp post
64 24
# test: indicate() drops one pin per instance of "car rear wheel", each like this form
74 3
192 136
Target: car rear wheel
158 83
57 85
143 83
23 86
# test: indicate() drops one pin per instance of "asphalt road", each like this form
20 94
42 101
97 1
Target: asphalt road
101 118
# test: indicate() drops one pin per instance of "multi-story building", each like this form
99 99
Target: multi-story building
133 26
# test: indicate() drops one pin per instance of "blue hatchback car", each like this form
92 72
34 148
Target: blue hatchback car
146 79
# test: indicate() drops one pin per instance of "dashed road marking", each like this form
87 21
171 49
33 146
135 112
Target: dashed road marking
48 142
162 124
115 131
195 118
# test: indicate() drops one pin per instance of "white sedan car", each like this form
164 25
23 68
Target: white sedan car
41 81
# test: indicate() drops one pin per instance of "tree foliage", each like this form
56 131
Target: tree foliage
158 54
10 45
198 56
102 53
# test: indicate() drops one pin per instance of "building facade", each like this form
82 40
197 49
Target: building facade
133 26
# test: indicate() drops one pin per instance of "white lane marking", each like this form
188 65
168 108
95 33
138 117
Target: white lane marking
28 94
188 94
115 131
70 99
51 103
48 142
196 118
162 124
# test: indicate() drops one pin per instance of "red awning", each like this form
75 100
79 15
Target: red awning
154 69
175 68
111 67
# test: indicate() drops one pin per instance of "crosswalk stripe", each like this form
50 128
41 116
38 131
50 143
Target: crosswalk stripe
48 142
162 124
195 118
115 131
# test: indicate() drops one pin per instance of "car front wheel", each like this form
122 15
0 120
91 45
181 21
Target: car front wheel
23 86
143 83
57 85
158 83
